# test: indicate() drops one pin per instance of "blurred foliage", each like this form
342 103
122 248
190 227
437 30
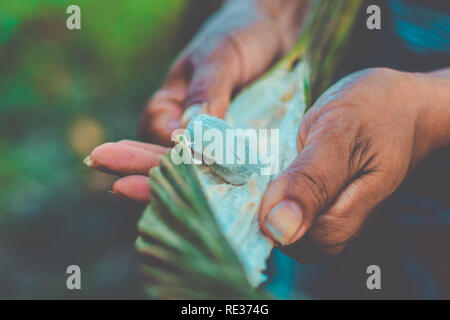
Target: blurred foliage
62 92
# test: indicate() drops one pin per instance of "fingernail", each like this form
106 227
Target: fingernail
116 193
191 112
88 161
284 221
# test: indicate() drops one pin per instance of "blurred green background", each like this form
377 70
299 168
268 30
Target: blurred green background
63 92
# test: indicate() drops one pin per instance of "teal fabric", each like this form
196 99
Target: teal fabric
423 29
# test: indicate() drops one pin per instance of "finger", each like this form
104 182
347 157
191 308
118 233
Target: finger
342 222
145 146
122 159
161 116
192 111
212 84
133 187
163 112
310 184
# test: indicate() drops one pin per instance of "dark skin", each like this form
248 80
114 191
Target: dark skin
356 144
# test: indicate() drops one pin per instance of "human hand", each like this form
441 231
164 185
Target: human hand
236 45
356 145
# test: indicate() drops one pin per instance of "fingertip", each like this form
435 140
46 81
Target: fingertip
284 222
192 111
159 119
218 107
101 154
95 159
134 187
212 85
88 161
99 151
124 159
273 194
281 217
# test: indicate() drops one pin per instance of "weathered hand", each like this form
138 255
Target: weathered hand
236 45
356 145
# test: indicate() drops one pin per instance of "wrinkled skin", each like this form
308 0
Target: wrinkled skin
356 144
235 46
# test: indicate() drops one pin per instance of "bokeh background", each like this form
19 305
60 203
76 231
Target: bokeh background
63 92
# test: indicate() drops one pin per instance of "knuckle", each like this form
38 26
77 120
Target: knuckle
360 149
331 231
307 184
200 85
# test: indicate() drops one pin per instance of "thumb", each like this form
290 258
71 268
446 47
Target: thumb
303 191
